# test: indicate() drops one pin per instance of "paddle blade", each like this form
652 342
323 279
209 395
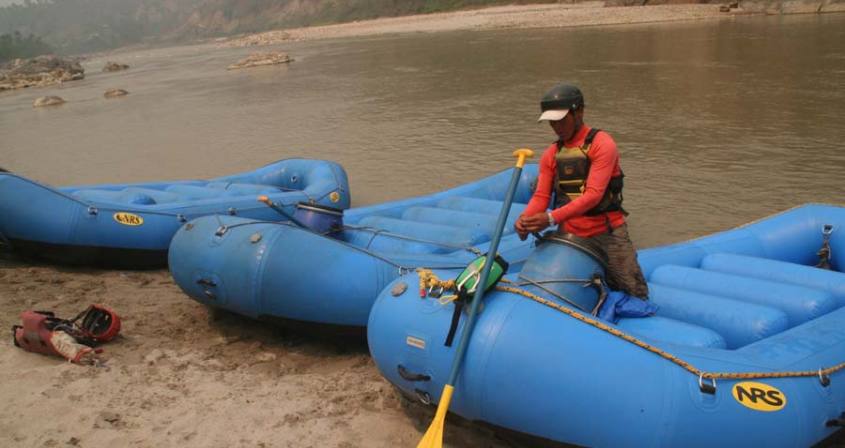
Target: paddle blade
433 437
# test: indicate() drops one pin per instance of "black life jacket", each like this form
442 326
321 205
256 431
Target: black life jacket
573 168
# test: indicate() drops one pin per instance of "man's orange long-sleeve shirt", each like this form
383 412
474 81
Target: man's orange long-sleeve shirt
604 164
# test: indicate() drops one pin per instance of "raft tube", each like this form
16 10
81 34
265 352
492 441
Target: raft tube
130 225
281 271
533 368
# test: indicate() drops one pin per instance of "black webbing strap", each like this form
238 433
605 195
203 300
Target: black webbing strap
591 136
588 140
456 318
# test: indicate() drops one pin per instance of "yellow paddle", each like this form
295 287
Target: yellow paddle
433 438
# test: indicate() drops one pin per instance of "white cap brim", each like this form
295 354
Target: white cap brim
553 115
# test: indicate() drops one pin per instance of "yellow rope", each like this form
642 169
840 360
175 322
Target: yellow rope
663 354
429 280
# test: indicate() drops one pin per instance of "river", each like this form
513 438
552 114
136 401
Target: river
718 122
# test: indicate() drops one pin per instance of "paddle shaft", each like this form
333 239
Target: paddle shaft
485 272
433 437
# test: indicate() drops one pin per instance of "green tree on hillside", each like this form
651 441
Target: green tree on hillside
15 45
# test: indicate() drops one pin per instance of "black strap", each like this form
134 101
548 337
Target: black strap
588 140
591 136
456 319
407 375
54 323
614 186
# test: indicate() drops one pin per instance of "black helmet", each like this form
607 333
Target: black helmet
562 96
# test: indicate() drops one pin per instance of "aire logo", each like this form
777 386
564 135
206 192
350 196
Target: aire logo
759 396
128 219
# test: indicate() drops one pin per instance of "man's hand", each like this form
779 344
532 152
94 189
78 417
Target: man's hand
531 224
519 226
536 223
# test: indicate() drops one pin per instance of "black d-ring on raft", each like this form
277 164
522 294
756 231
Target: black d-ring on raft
823 378
423 396
707 388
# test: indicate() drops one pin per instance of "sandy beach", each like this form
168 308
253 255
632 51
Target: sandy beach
180 375
501 17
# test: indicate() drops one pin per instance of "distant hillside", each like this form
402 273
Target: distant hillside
218 17
76 26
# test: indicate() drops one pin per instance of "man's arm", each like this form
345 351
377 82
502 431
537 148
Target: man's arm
543 193
539 203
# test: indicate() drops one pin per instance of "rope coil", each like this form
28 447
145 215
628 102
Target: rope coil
821 373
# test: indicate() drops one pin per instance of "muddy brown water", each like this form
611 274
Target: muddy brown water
718 122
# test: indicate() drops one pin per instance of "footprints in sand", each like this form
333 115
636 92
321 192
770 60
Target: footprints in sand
177 377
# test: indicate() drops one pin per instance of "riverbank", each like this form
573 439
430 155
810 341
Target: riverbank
179 376
501 17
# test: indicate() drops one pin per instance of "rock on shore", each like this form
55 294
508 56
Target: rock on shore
259 59
266 38
114 66
114 93
48 101
38 71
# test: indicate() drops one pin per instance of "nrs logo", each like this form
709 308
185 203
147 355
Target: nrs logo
128 219
759 396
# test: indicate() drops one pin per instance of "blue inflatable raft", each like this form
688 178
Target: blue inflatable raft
130 225
747 347
283 271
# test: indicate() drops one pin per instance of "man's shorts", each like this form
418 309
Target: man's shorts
623 271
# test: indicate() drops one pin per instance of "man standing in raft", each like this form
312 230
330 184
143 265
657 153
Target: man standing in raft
582 170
